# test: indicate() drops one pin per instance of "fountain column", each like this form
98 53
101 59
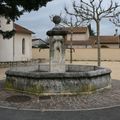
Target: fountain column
57 48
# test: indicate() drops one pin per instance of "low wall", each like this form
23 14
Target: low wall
40 53
81 54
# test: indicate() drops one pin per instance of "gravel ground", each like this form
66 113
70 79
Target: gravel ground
104 98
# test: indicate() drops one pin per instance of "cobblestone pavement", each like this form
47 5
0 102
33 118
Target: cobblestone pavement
105 98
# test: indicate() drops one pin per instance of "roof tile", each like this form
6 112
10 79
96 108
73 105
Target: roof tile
77 30
106 39
21 29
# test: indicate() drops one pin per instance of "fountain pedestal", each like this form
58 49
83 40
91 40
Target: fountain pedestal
57 54
57 51
57 48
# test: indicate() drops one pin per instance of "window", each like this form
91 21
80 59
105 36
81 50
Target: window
23 46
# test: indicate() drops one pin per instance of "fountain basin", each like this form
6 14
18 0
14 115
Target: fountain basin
78 79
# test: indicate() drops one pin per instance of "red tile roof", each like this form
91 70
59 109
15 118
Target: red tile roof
81 42
106 39
77 30
21 29
93 40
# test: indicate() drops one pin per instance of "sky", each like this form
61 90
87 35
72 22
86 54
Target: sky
39 21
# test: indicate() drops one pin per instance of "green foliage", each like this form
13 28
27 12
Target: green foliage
7 34
13 9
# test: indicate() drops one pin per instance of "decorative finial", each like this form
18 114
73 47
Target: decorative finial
56 19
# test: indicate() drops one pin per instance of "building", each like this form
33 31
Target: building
80 37
107 41
17 48
37 42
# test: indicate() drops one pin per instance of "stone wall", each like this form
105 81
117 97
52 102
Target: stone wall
81 54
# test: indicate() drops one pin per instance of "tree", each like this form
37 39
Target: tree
71 21
116 20
74 21
96 11
13 9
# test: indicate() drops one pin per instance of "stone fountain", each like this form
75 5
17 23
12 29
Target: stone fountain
58 78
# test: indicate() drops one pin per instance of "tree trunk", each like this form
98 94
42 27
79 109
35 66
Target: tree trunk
98 43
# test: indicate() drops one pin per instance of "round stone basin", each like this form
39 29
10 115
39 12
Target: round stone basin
78 79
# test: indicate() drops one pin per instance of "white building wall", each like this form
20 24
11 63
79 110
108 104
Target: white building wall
18 55
6 45
11 49
6 49
77 37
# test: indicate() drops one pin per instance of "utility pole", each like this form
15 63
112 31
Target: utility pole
119 40
118 37
71 31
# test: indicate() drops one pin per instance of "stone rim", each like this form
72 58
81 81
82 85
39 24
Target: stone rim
93 73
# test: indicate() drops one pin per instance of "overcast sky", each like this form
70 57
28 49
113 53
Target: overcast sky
39 21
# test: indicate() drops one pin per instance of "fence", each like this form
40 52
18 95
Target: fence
89 54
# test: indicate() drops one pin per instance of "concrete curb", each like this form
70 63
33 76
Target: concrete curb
59 110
